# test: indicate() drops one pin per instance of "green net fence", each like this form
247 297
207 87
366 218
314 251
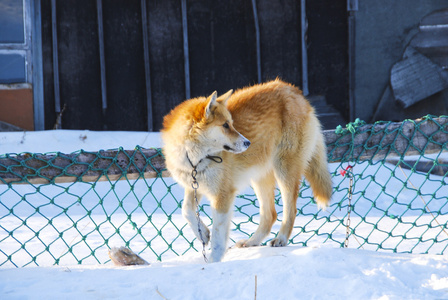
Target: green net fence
67 209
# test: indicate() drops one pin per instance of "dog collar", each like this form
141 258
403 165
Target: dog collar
216 159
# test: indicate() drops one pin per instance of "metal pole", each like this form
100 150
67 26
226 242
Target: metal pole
38 84
186 53
257 39
352 7
27 19
303 30
147 65
99 9
57 96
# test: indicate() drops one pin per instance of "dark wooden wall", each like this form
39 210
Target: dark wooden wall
222 55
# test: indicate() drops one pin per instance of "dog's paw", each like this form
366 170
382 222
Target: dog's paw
278 242
246 243
241 243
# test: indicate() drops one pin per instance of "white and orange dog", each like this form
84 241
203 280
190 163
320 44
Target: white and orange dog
258 135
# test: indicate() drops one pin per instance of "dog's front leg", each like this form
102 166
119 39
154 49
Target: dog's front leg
222 216
189 212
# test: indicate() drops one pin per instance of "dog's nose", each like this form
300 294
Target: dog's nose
247 144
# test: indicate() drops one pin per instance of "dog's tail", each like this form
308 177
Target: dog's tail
123 256
318 175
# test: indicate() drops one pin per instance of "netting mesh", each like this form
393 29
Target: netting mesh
70 208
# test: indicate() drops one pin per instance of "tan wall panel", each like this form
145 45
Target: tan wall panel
16 107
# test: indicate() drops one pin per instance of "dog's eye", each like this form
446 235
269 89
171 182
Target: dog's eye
226 125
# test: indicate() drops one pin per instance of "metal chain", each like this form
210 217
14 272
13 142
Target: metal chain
349 207
195 186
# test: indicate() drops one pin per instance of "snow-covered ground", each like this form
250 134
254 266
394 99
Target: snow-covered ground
67 141
319 270
281 273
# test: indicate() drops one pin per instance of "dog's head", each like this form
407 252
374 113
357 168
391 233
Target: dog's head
215 126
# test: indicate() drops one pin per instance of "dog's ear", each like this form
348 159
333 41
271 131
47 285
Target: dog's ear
223 98
211 103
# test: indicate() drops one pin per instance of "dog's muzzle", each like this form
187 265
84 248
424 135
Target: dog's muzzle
240 146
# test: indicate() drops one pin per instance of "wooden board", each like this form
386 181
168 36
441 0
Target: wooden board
415 78
432 38
389 139
83 166
368 142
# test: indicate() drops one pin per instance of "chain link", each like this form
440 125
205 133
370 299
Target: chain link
195 186
349 207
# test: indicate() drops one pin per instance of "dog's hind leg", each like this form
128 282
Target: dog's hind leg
288 173
189 212
264 189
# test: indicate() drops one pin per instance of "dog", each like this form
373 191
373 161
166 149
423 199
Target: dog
259 135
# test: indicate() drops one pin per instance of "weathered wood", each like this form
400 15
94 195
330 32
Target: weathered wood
415 78
378 141
432 38
83 166
439 17
368 142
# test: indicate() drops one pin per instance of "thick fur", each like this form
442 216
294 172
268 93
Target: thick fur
286 143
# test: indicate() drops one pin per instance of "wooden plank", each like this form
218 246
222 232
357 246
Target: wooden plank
439 17
432 42
83 166
367 142
381 140
415 78
432 38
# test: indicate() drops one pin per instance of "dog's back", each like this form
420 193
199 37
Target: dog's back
283 130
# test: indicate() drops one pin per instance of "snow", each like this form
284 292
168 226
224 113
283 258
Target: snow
320 270
67 141
281 273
